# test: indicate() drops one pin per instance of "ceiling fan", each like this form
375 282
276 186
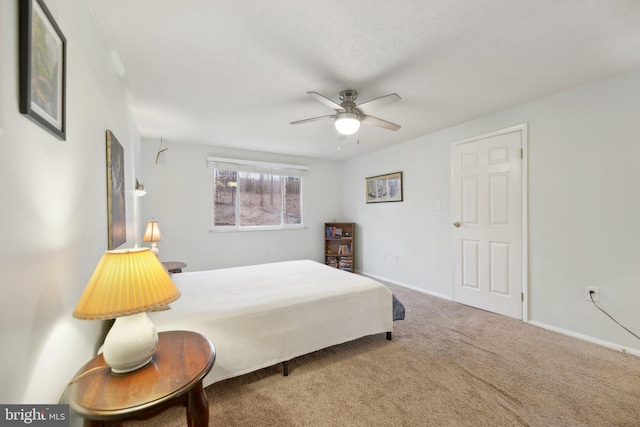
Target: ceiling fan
349 116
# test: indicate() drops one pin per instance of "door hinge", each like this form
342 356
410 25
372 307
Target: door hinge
522 153
522 296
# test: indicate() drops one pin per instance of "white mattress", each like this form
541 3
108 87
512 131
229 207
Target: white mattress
261 315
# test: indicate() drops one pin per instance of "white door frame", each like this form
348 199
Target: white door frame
523 128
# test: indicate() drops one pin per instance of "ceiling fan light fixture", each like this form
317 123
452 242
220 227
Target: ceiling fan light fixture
347 123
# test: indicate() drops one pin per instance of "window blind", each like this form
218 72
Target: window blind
252 166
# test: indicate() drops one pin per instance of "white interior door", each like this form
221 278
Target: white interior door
487 221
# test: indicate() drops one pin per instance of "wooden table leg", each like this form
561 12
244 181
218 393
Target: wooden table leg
197 407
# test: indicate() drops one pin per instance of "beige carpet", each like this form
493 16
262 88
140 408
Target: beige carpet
448 365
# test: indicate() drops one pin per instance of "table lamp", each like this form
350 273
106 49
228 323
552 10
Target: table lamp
153 235
125 285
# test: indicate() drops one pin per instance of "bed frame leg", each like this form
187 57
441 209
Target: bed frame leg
389 336
285 368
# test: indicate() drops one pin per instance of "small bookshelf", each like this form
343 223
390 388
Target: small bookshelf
339 245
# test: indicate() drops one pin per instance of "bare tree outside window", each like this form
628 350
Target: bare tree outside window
292 209
260 199
225 183
250 199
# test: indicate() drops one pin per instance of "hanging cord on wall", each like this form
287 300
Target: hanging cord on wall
160 150
610 317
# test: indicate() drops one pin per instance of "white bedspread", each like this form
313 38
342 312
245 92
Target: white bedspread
261 315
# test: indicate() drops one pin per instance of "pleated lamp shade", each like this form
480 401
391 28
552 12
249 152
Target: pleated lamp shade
126 282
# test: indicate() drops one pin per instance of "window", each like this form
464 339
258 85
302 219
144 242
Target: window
256 195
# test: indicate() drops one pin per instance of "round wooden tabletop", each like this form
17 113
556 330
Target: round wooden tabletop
180 362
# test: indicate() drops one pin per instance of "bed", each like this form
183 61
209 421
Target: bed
262 315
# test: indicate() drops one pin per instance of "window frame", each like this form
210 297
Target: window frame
252 166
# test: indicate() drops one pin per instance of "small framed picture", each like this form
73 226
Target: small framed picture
42 67
384 188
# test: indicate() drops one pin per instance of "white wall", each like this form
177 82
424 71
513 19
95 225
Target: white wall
413 229
178 197
584 197
53 220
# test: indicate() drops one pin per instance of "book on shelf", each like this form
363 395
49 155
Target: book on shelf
344 250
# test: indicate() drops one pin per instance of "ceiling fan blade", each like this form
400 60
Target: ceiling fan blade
326 101
333 116
367 107
374 121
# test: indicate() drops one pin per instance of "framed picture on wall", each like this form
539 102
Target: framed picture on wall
116 208
42 67
384 188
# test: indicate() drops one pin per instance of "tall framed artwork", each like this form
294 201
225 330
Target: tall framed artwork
384 188
43 67
116 207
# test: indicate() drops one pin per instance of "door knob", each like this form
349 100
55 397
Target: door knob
457 224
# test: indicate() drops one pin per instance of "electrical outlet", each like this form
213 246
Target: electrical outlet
396 258
596 293
383 256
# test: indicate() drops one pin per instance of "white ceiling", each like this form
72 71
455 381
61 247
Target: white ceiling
234 73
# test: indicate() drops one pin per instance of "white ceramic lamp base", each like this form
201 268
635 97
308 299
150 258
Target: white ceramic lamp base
154 248
130 343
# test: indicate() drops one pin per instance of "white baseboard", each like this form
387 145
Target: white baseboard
587 338
404 285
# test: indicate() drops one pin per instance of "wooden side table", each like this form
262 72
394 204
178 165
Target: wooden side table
174 266
173 377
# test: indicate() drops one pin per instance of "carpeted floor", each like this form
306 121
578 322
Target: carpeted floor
448 365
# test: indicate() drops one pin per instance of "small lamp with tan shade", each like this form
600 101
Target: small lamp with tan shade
153 235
